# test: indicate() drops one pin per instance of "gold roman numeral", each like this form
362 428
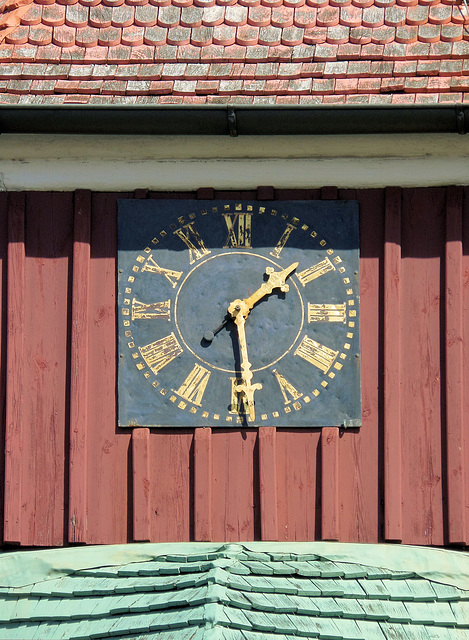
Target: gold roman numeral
170 275
142 311
322 357
283 240
193 387
286 387
327 312
193 242
238 404
317 270
158 354
239 229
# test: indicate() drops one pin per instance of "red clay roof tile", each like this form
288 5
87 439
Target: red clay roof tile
246 51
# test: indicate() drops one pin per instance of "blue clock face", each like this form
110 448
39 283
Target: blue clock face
238 313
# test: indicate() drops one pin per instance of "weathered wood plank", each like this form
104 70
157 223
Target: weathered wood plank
171 466
298 484
78 472
203 484
330 483
456 472
49 248
14 460
141 484
422 356
268 482
361 492
109 452
235 485
3 341
392 366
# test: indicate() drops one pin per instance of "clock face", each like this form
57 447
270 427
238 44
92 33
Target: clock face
238 313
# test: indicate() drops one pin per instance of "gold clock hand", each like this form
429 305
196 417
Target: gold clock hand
276 280
245 386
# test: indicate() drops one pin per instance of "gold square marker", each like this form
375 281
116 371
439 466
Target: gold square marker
140 259
128 290
131 278
182 404
324 384
126 323
204 414
173 398
275 414
135 269
316 392
147 249
287 409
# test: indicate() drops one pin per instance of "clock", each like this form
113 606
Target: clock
238 313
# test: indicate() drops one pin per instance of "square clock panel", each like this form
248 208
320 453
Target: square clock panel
238 313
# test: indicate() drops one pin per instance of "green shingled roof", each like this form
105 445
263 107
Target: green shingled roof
235 592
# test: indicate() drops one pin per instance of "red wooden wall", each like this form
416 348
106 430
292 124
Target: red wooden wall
70 475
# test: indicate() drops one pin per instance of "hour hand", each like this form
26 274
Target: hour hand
276 280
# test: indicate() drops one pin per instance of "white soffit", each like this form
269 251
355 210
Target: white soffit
172 163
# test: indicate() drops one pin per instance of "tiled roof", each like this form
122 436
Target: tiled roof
236 594
237 52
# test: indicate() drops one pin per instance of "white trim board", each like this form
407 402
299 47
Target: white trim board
170 163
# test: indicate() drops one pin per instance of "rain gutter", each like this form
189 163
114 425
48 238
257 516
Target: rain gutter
233 120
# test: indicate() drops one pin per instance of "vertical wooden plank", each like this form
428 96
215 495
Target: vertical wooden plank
422 359
78 478
456 498
392 366
141 484
49 249
235 485
3 334
15 365
361 497
268 482
330 483
170 454
203 485
298 485
108 450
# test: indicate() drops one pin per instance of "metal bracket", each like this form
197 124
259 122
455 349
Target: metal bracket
232 124
460 120
349 424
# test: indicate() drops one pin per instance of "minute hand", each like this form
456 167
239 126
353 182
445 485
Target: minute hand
245 386
276 280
